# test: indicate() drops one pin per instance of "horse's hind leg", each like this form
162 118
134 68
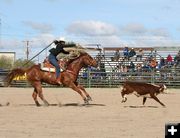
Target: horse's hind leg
87 95
34 95
38 88
40 94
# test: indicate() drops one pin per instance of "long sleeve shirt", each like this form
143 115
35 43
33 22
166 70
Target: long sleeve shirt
59 49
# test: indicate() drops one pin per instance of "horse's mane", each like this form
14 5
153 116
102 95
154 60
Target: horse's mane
82 53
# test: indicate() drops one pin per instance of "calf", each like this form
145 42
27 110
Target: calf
142 89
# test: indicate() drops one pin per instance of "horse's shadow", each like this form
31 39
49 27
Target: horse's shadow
77 104
67 105
140 106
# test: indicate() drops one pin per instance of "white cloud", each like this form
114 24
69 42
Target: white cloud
10 43
45 38
153 41
94 32
91 28
36 44
160 32
109 35
133 29
40 27
178 29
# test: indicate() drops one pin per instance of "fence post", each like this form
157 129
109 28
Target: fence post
89 78
152 75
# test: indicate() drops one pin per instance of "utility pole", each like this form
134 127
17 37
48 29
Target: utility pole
27 48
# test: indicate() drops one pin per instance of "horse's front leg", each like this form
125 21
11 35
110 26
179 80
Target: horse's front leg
87 94
78 90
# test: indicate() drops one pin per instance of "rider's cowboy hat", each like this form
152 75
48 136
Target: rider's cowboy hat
61 40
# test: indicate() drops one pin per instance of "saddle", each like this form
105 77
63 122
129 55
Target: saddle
62 60
47 66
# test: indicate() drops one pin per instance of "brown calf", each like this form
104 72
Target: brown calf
142 89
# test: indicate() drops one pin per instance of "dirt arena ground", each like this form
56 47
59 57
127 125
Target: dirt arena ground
105 117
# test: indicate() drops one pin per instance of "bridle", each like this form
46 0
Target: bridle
90 61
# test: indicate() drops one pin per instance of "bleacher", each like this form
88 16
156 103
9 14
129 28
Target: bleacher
113 78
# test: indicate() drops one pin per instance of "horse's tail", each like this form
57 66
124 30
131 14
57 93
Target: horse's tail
14 73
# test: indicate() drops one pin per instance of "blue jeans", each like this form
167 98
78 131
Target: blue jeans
54 62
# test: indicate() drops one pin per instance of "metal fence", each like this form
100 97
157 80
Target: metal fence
170 77
99 79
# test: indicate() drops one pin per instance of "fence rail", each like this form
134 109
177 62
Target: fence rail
99 79
114 79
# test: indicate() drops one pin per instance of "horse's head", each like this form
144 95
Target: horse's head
89 61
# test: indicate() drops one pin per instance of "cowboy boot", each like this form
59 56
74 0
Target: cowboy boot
58 80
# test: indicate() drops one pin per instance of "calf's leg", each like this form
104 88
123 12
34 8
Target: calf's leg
144 100
155 98
123 96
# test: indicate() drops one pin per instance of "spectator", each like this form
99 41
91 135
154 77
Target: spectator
139 70
103 70
98 57
132 52
116 55
139 67
139 54
162 63
153 63
146 66
124 69
153 54
179 52
169 60
131 67
121 68
126 53
177 59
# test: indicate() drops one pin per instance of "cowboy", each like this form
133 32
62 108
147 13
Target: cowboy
52 56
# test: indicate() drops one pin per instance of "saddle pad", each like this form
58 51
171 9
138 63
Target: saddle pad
46 66
48 69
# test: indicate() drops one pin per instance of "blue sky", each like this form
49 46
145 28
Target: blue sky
108 22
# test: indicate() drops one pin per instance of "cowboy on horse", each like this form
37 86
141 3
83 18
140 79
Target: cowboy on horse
53 56
35 75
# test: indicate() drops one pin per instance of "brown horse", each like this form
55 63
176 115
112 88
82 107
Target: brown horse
68 77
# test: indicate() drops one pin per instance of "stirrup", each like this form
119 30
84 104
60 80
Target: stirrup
58 82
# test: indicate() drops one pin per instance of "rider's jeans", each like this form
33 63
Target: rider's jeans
54 62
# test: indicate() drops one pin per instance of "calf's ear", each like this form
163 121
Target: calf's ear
164 86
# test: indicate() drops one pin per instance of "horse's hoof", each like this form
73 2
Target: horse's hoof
163 106
124 100
86 101
37 104
46 103
89 98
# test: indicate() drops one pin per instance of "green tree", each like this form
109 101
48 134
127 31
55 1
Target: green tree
5 63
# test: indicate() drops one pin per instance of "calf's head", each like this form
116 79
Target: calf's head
162 88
